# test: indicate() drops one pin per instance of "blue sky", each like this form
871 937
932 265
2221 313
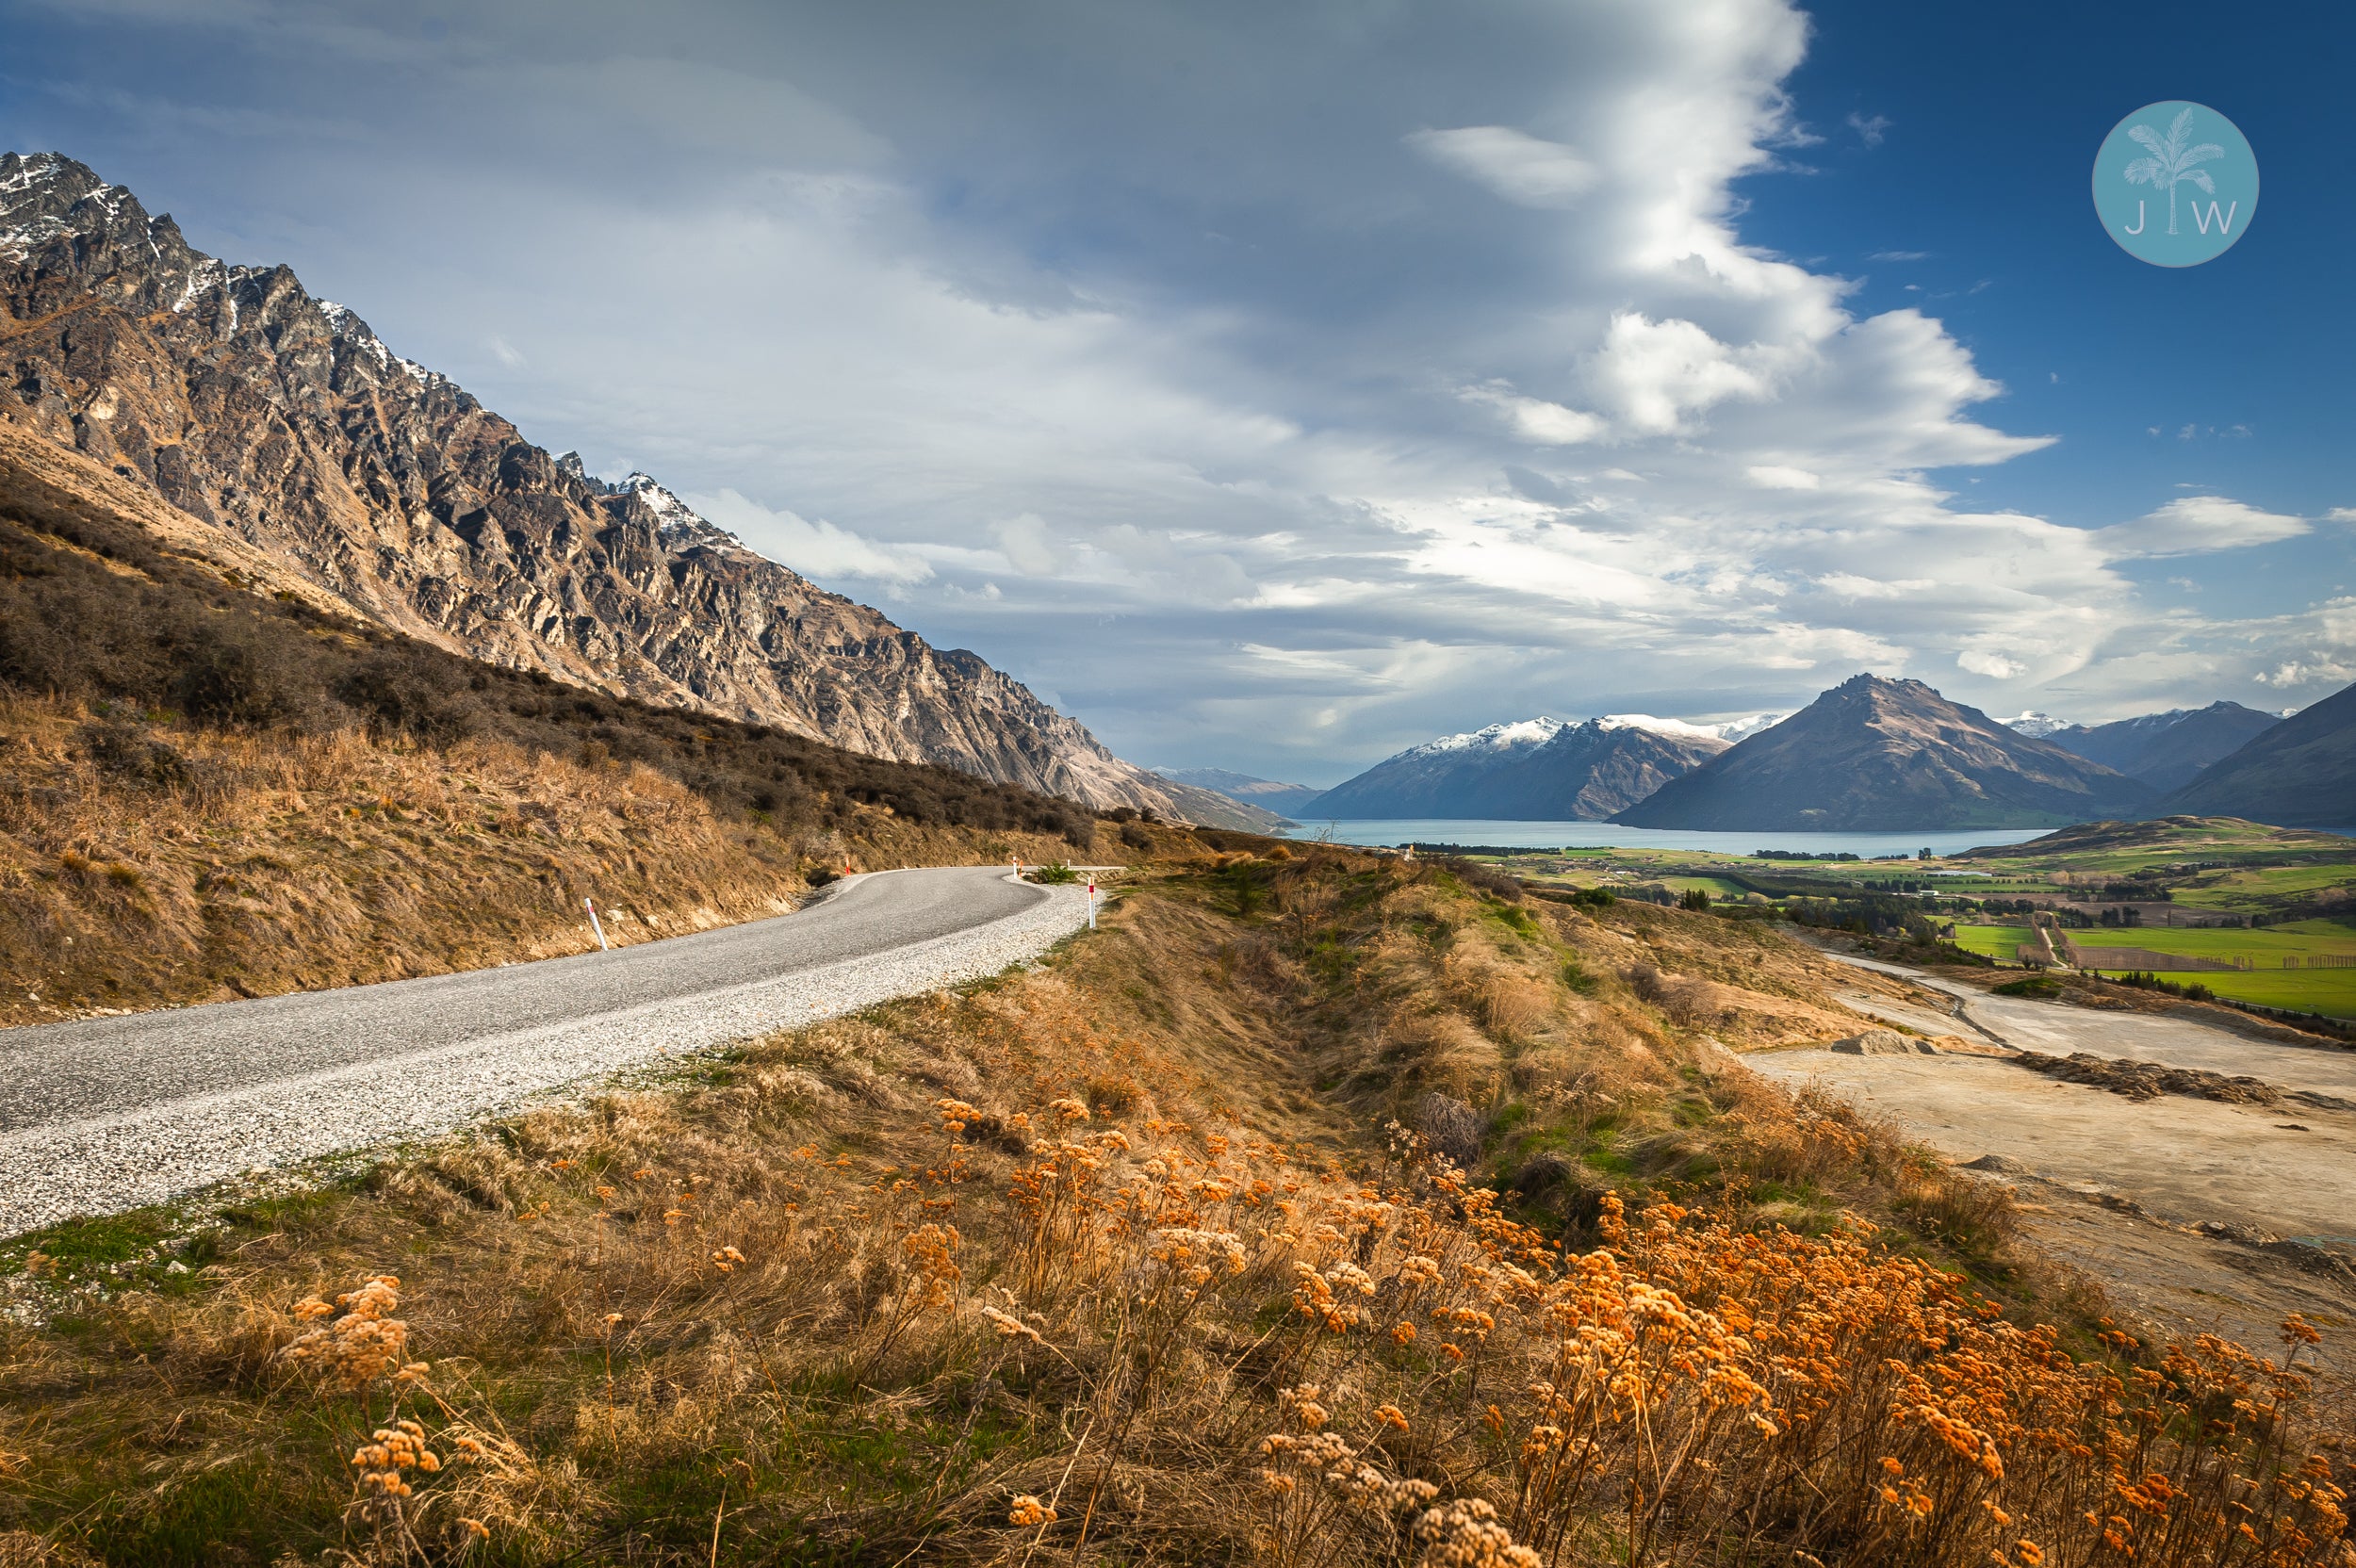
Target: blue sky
1983 166
1275 387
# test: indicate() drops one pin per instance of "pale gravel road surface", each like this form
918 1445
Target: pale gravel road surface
2287 1168
107 1114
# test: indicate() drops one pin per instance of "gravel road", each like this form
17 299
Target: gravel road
107 1114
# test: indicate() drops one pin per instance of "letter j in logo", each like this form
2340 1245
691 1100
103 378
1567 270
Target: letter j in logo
2175 183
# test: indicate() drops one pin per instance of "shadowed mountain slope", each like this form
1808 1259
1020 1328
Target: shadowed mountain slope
1537 770
2300 773
1873 754
2167 750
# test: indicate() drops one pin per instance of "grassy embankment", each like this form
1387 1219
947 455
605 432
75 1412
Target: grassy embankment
205 791
1114 1260
296 862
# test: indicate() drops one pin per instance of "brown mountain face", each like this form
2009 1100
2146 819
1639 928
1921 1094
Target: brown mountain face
1873 754
284 427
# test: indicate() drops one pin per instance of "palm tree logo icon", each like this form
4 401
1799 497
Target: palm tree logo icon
2173 160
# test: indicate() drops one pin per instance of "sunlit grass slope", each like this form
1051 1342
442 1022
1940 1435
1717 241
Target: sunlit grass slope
1157 1254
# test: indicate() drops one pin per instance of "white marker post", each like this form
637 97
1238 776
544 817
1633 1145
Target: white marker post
1092 903
597 926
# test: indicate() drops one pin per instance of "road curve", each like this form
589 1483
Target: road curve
106 1114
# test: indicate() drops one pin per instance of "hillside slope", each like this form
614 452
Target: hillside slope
1873 754
1538 770
2166 750
2300 773
283 423
1314 1214
207 791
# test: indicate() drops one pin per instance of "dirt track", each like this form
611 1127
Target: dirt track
2124 1187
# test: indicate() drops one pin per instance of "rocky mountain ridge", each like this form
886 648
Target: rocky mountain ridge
1875 753
283 424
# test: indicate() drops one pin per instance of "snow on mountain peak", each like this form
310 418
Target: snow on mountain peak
2034 724
678 525
1673 728
346 325
1525 733
1495 737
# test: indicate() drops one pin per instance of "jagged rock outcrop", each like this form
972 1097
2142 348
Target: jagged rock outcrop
285 424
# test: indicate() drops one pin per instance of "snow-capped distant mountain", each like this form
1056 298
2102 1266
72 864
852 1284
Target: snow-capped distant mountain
2166 750
2034 724
1520 735
1873 754
1541 769
1523 734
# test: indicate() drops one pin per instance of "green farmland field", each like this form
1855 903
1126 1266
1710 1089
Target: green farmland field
1999 942
2330 992
2268 984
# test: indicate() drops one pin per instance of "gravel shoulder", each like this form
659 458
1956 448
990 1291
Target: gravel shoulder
106 1114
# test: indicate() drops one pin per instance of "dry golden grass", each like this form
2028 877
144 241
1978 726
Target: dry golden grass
1117 1260
284 862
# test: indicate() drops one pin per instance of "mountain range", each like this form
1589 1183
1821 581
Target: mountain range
1261 794
288 430
1541 769
2163 750
1875 753
2298 773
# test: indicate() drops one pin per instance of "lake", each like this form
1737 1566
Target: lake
1589 835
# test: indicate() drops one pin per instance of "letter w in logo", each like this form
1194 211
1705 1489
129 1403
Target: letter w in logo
2224 224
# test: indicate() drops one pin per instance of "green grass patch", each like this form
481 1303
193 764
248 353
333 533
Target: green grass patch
2000 942
2265 947
2329 992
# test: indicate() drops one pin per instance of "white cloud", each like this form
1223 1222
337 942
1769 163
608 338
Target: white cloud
1514 164
1537 422
1654 373
1028 546
2196 525
816 550
1188 394
1872 129
1996 666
